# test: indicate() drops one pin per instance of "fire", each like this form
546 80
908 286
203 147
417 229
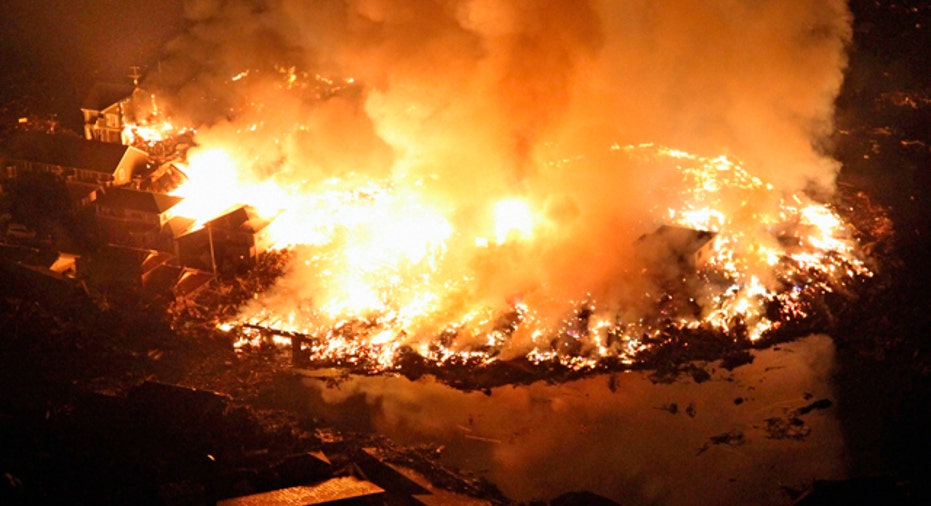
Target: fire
211 186
216 183
513 219
384 264
154 132
377 259
376 246
459 198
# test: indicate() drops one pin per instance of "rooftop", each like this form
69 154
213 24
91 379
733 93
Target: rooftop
243 218
147 202
66 151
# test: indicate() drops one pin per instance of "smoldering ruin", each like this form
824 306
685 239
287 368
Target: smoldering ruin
296 197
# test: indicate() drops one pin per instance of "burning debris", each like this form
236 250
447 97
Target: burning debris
742 284
354 161
351 168
388 278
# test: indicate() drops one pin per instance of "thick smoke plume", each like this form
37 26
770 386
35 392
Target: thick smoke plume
457 105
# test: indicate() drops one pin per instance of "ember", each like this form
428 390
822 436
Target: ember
420 219
767 267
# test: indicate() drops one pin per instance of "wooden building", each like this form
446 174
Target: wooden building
72 159
104 112
236 237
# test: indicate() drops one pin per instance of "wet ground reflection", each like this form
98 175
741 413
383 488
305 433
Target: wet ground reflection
731 440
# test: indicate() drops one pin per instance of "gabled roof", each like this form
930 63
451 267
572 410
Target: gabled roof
64 263
66 151
191 281
103 95
179 225
243 218
161 279
147 202
128 263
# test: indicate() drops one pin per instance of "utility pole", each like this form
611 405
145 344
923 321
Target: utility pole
213 257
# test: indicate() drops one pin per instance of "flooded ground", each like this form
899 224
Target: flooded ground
735 439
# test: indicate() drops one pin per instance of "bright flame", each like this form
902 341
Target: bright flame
212 185
216 183
375 258
513 219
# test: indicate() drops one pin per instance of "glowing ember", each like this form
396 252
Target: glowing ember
377 258
459 199
153 132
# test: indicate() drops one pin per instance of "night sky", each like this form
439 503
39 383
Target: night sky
53 50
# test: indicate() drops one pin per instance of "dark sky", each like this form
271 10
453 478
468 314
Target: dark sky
53 50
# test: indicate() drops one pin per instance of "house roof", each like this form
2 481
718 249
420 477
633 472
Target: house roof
128 263
179 225
191 281
161 279
103 95
243 218
64 263
65 151
147 202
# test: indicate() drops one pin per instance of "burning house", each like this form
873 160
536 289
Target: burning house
234 238
469 211
104 112
73 159
165 178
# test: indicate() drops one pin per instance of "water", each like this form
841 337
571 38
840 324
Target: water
619 435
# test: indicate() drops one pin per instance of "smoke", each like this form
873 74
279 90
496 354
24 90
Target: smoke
460 104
